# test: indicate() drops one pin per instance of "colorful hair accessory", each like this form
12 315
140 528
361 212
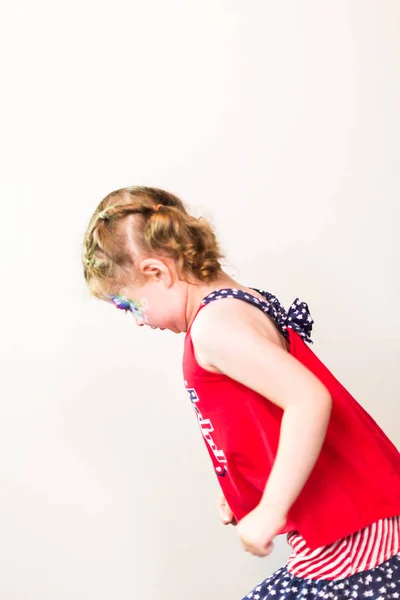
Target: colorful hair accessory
128 305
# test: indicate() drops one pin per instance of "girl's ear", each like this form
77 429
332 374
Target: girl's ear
157 270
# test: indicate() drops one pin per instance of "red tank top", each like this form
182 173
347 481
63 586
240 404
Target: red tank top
356 479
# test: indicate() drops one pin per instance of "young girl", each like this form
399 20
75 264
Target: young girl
292 450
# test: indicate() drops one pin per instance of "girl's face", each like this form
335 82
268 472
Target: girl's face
160 303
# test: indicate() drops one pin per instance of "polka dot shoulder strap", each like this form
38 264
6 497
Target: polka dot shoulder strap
297 318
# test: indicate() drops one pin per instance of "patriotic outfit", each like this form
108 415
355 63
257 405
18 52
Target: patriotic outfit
344 527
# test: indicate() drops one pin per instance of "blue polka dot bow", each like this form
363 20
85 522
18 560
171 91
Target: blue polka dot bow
297 317
300 320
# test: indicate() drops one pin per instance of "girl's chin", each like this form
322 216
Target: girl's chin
172 329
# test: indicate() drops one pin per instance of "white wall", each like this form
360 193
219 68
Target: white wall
278 119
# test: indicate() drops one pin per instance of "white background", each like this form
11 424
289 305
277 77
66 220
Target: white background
278 120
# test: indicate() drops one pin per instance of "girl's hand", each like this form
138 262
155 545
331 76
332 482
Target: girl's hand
224 511
258 528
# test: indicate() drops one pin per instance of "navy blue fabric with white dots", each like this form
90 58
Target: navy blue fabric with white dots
297 317
379 583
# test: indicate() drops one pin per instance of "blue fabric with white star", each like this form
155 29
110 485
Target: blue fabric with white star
379 583
297 318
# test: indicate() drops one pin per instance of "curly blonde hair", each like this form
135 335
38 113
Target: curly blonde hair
145 221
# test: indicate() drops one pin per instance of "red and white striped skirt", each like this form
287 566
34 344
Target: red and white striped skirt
358 552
